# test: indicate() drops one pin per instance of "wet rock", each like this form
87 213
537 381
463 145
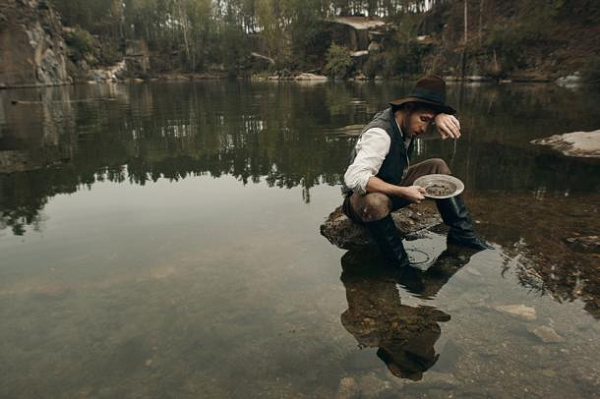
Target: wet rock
548 335
520 311
311 77
576 144
348 389
346 234
585 244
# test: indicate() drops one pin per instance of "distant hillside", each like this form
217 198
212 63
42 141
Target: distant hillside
362 39
514 38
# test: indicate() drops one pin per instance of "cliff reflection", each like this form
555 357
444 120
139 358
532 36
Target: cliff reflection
404 335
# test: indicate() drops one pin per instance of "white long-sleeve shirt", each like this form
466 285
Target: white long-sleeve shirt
371 149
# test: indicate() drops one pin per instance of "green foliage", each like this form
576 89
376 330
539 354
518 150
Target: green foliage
339 63
80 42
234 49
297 34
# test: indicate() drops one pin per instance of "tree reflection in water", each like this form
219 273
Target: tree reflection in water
529 201
404 335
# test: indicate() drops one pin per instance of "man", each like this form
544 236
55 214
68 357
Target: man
379 179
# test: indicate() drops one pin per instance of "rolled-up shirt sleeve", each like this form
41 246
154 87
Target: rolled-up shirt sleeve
371 150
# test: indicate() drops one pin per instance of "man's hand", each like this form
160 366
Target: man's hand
448 126
414 194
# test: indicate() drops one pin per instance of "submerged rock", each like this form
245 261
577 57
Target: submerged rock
586 244
576 144
348 389
548 335
520 311
410 221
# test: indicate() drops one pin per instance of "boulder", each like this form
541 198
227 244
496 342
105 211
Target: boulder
548 335
411 222
576 144
33 50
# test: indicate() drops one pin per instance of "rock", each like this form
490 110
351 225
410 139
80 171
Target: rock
585 244
374 47
410 221
548 335
477 78
348 389
520 311
569 80
33 50
575 144
109 74
310 77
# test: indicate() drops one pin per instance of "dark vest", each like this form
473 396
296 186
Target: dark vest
396 162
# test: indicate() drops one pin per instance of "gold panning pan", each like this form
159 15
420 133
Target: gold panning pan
440 186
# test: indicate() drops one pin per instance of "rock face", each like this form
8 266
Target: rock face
576 144
32 50
346 234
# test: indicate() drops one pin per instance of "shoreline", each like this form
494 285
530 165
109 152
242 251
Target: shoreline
571 81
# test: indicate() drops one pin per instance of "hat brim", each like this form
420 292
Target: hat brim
439 108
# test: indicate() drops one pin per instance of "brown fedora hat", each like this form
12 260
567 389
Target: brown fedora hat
430 90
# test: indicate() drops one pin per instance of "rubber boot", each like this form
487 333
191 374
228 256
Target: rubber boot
388 240
454 214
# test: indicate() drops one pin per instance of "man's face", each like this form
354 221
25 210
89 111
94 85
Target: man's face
418 122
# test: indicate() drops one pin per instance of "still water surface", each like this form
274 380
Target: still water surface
162 240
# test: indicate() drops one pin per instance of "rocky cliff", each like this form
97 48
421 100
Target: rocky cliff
32 50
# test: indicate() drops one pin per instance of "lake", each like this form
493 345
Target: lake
162 240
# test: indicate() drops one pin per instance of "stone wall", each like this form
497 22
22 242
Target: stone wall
32 50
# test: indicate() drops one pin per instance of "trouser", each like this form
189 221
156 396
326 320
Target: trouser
376 206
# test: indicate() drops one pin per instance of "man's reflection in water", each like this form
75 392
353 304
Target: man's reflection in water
376 317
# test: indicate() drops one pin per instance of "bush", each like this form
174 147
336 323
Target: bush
80 42
403 60
339 63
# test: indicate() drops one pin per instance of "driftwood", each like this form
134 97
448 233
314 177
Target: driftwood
411 222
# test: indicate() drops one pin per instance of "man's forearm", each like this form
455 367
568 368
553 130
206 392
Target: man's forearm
376 185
